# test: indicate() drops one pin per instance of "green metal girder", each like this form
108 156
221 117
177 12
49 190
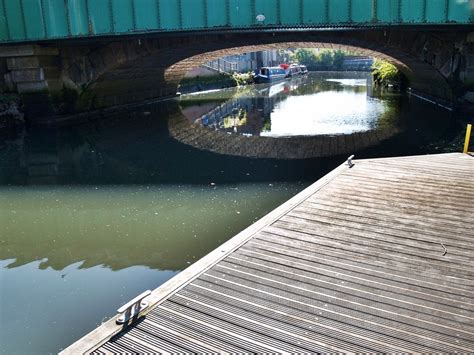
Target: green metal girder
34 20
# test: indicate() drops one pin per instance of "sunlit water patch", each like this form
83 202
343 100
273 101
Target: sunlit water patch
302 106
325 113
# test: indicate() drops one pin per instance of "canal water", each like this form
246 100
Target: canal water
96 210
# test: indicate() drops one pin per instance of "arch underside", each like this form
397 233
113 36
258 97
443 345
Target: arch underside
155 70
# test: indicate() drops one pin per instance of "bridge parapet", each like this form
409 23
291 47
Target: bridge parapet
87 75
23 21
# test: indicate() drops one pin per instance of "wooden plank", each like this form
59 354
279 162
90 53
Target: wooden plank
344 300
101 335
395 223
355 263
341 235
422 186
396 202
301 317
347 277
350 324
357 290
433 334
420 198
368 266
305 239
380 207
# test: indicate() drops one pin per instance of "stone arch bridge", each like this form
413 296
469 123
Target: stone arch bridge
77 55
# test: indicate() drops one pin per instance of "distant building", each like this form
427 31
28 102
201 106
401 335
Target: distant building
357 63
245 62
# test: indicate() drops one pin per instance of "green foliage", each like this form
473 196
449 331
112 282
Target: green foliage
385 73
338 58
313 58
207 79
243 78
303 56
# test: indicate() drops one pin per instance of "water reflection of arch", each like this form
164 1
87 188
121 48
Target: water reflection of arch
299 147
220 130
258 101
257 109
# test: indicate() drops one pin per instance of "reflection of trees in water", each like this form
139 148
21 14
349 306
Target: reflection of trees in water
248 111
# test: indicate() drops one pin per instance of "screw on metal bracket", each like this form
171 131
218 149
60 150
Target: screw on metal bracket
350 164
133 308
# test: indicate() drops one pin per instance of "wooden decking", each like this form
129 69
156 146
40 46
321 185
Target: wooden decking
374 258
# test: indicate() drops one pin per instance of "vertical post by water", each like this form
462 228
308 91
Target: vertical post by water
467 139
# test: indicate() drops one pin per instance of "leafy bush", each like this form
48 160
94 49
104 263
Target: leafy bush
385 73
243 78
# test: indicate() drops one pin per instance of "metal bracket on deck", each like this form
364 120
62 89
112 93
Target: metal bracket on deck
133 307
350 164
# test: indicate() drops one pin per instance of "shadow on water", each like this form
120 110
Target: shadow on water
94 212
135 148
124 184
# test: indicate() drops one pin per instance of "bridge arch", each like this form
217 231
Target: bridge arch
146 69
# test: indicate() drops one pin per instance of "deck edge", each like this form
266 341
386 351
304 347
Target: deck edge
104 332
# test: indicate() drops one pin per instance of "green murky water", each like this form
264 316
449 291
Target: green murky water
95 212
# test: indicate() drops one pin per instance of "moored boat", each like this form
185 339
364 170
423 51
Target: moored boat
269 74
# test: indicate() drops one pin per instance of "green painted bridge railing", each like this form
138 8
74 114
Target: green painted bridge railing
33 20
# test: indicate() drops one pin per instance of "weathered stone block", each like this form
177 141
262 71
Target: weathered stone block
32 62
26 50
27 75
33 87
17 63
9 84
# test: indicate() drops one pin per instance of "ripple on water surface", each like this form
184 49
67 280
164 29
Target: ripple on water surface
70 256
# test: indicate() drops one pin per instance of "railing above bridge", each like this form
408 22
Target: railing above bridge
34 20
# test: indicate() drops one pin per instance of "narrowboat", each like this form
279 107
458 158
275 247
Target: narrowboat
269 74
293 70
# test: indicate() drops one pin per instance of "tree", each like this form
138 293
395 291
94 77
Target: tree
338 58
385 73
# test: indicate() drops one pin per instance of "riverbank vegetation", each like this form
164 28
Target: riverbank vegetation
218 81
318 59
208 82
386 74
242 78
